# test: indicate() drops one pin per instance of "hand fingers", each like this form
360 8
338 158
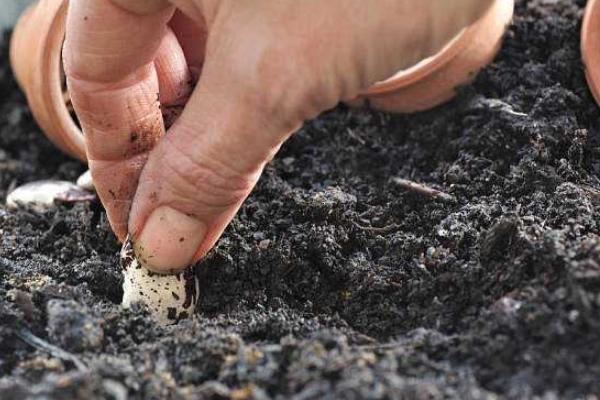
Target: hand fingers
260 80
174 79
109 62
191 36
199 174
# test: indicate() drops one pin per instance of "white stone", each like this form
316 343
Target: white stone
85 181
169 298
39 195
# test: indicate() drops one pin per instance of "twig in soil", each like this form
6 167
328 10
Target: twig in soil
381 230
496 104
380 347
480 103
424 190
355 136
40 344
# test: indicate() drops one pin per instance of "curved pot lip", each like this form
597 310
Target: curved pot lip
590 47
435 62
424 67
14 48
36 59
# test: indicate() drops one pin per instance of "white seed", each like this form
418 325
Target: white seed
168 297
40 195
85 181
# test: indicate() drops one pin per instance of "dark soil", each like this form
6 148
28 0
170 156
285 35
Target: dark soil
334 281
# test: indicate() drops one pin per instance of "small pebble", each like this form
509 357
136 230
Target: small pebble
85 181
506 305
42 195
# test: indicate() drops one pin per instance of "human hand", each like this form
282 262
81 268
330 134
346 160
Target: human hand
263 67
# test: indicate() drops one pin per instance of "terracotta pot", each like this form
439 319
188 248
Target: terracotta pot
590 46
434 80
36 59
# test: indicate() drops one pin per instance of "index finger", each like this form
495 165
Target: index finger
108 59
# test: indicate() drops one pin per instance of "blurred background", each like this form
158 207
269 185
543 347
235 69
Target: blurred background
10 10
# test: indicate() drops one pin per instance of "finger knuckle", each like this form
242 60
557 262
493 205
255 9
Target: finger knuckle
207 182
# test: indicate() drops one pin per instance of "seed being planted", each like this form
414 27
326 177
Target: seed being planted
169 298
43 195
85 181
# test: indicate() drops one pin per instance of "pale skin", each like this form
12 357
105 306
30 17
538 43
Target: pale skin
264 67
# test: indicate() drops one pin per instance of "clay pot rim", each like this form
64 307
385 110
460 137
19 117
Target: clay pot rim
590 48
20 75
434 63
72 134
36 60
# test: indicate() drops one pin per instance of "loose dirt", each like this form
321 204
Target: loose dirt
336 281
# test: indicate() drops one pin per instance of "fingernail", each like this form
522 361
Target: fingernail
169 240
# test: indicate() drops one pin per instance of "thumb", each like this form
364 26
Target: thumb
202 170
